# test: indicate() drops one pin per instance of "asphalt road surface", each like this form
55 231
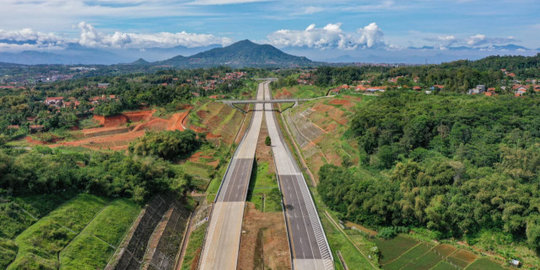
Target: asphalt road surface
222 242
310 249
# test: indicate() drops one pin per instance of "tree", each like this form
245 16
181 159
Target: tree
169 145
533 232
268 141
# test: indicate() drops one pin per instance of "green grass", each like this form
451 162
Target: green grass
306 91
264 183
41 205
200 172
353 258
393 248
8 252
213 187
194 246
92 248
40 244
19 213
484 263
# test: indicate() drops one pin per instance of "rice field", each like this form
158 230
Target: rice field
405 253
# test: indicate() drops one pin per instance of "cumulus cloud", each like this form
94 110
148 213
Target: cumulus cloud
28 39
474 41
480 39
330 36
90 37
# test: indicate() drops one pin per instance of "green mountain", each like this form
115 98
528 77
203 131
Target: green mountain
240 54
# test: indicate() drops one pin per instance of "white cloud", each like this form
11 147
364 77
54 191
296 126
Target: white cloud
27 39
330 36
90 37
312 10
480 39
224 2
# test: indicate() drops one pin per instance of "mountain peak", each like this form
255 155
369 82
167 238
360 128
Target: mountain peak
244 53
140 61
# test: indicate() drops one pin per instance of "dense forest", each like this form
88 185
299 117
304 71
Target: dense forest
456 164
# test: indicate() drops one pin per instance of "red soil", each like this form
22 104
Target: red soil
113 142
116 136
334 113
197 156
284 93
32 141
343 102
118 120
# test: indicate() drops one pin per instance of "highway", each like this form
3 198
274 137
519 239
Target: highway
309 246
222 242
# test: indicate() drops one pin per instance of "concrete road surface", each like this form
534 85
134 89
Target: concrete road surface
310 249
222 242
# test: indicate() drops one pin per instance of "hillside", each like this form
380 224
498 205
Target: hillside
240 54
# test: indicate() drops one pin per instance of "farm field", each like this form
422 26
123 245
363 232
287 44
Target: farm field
65 237
403 252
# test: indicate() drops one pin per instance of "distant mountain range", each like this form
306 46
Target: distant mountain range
248 54
240 54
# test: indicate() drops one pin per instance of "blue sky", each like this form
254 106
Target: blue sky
338 26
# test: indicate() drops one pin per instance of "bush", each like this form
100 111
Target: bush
391 232
268 141
170 145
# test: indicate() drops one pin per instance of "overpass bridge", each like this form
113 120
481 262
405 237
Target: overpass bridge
232 102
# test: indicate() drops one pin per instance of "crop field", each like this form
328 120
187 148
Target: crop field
410 255
484 263
405 253
79 233
392 249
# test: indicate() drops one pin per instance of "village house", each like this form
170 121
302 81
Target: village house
437 87
97 100
479 89
374 89
55 101
103 85
519 91
361 88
